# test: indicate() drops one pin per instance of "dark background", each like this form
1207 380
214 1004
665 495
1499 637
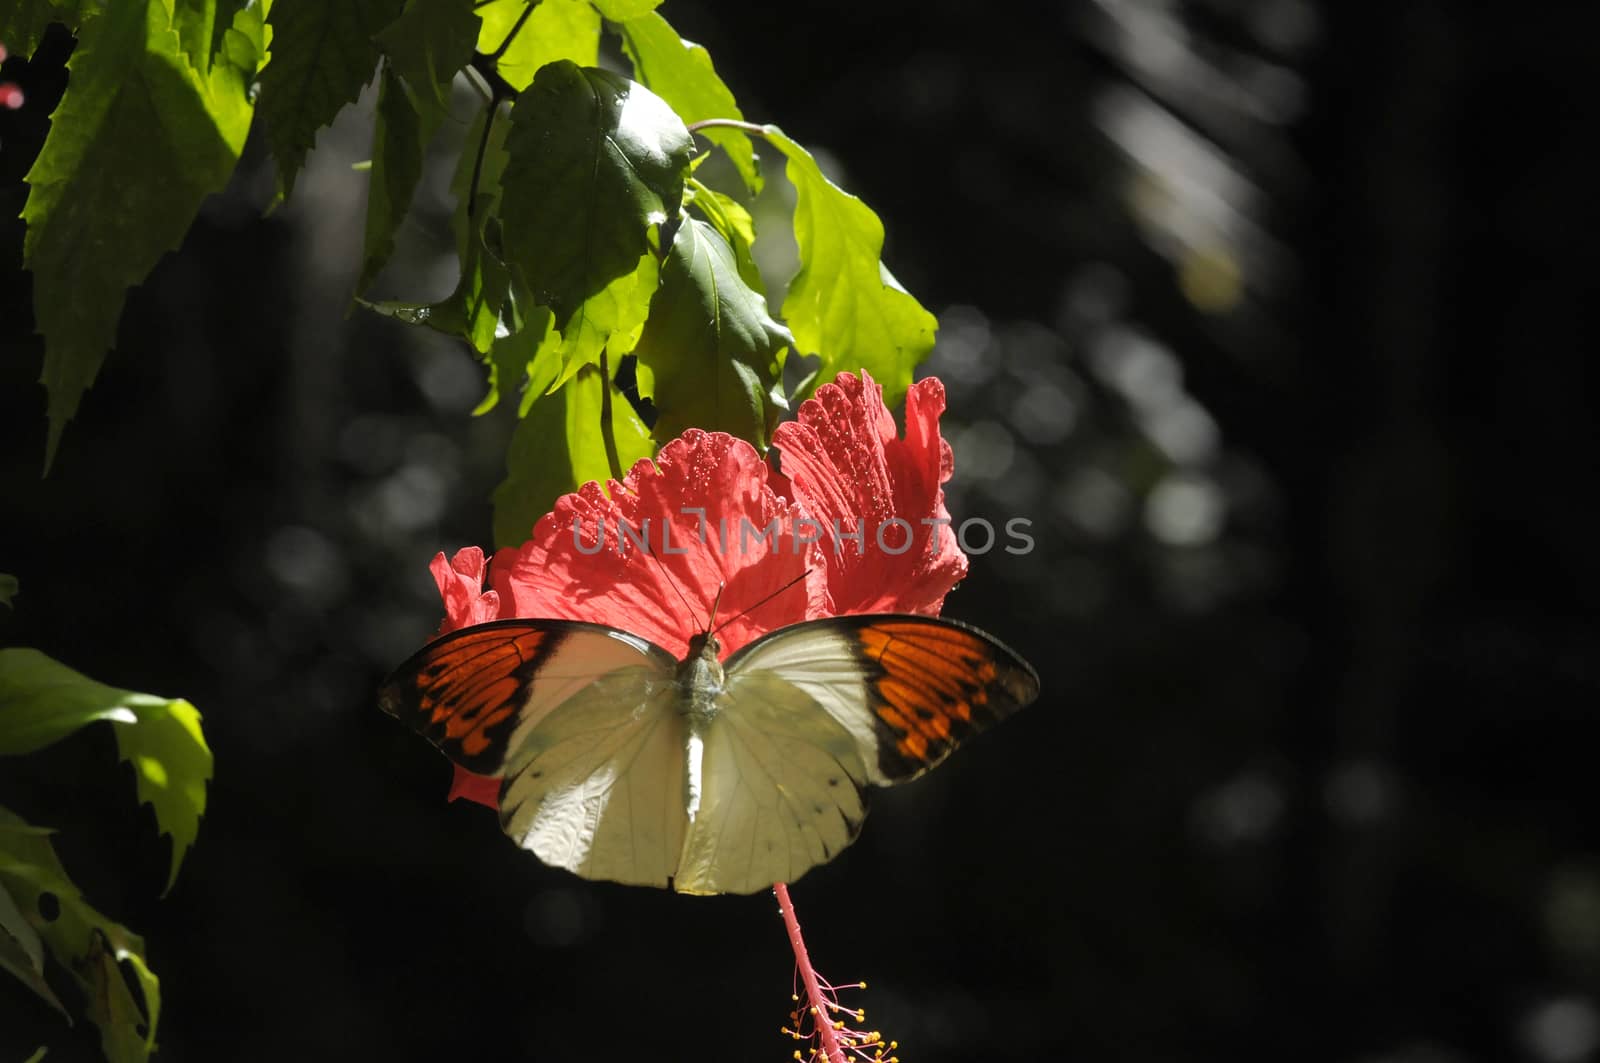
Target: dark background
1274 318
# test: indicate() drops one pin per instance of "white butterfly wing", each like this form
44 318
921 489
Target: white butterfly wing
780 789
580 720
811 714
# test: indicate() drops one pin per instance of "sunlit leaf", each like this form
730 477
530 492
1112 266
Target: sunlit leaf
623 10
595 160
610 319
556 29
322 55
140 139
201 26
730 219
171 766
565 441
524 364
90 947
681 73
23 22
713 354
43 701
844 306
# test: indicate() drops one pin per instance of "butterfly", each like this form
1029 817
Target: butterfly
621 762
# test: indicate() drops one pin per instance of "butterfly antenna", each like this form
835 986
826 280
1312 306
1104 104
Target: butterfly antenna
678 591
715 604
759 604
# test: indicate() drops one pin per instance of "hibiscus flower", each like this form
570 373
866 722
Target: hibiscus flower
855 523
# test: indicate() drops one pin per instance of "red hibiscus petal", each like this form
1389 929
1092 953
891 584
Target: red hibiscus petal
877 495
650 558
460 583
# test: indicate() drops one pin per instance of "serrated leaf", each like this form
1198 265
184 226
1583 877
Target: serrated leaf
562 444
8 588
22 952
623 10
84 942
680 72
473 311
201 26
610 319
400 136
556 29
595 160
23 22
428 45
140 139
524 364
735 224
323 53
713 354
844 306
171 767
43 701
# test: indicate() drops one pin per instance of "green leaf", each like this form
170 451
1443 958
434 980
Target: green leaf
140 139
713 354
88 946
201 26
21 951
38 1056
524 364
43 701
322 54
736 226
400 136
562 444
681 73
8 588
595 160
844 305
23 22
427 45
624 10
610 319
557 29
171 766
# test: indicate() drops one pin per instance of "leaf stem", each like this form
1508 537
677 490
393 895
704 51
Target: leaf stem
728 123
820 1015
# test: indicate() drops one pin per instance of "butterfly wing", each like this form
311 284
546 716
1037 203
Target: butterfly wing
812 714
582 723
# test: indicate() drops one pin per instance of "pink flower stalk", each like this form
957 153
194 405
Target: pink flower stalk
816 1020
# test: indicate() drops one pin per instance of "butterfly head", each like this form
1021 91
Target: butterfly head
704 645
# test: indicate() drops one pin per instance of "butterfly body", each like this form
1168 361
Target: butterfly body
623 762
